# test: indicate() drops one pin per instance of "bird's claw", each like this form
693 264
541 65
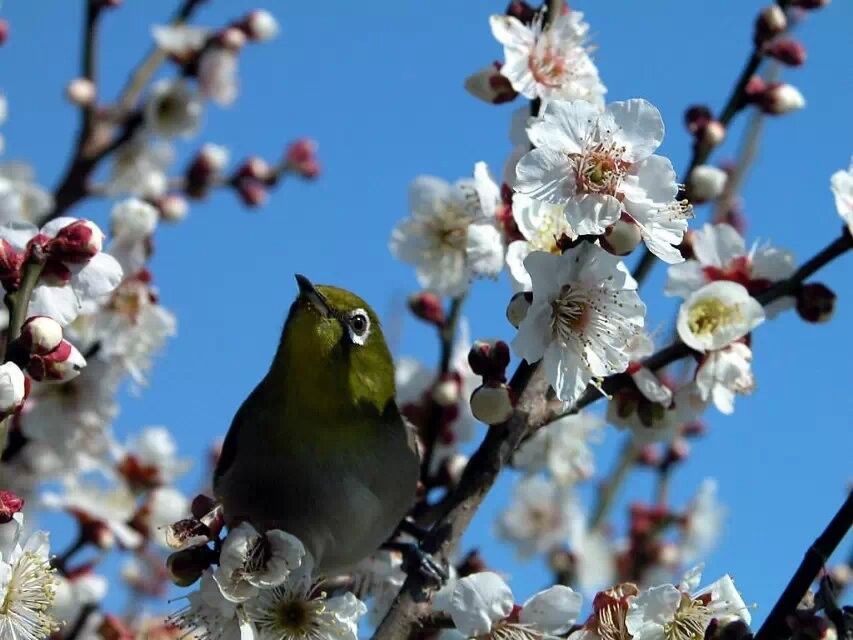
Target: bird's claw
416 560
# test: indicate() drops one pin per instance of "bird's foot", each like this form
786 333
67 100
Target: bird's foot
416 560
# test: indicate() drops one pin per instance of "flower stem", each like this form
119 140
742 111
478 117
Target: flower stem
610 487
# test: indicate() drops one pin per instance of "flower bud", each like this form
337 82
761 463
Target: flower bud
427 307
187 565
694 429
621 237
202 505
809 5
728 627
489 360
445 392
77 242
80 92
492 403
41 334
787 51
208 163
10 504
518 307
489 85
524 12
815 302
4 31
60 365
706 183
172 207
13 388
133 220
697 117
259 26
769 24
252 192
231 38
256 168
780 98
186 533
649 456
301 158
213 157
677 451
713 134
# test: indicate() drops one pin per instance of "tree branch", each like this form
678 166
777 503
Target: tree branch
775 625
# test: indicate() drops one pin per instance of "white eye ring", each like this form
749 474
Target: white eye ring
358 326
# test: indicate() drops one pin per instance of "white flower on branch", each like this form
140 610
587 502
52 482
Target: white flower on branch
180 41
720 253
132 223
724 373
174 109
599 166
76 592
482 606
21 199
452 235
139 168
251 561
11 388
217 75
585 310
209 616
151 459
668 612
716 315
842 188
549 63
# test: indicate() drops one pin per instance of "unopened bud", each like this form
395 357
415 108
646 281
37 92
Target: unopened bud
41 334
809 5
213 157
519 305
728 627
252 192
256 168
4 32
187 565
10 504
259 26
13 388
231 38
621 237
80 91
706 183
489 360
713 134
77 242
492 403
678 451
696 118
427 307
201 506
649 456
489 85
770 23
815 302
60 365
780 98
522 11
787 51
172 207
301 158
445 392
694 429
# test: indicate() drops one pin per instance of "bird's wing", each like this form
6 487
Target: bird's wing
232 438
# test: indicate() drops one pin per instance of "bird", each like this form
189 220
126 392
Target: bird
319 449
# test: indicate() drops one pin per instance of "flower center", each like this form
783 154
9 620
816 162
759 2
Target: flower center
690 620
708 316
508 630
570 313
548 66
549 232
599 168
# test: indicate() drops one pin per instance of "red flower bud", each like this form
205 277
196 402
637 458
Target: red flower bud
4 31
489 360
787 51
770 23
301 158
76 243
252 192
521 10
62 364
256 168
41 334
427 307
489 85
815 302
10 504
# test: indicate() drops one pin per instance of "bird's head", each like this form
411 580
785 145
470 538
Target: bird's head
333 343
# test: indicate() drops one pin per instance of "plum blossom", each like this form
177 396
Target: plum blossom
542 226
21 199
599 166
720 253
251 561
647 412
12 388
668 612
842 188
217 75
174 109
725 373
585 310
716 315
150 459
210 616
132 222
549 63
481 605
452 235
139 168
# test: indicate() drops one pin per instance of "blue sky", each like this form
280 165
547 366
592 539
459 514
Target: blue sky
379 85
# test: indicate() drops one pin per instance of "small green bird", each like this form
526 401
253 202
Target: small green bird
319 449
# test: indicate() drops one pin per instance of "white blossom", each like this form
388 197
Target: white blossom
11 387
599 166
209 616
452 235
217 75
716 315
539 517
724 373
174 109
21 199
703 523
584 312
842 188
139 168
155 450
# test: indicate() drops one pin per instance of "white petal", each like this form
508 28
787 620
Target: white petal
516 252
60 303
565 373
510 32
478 601
98 278
640 127
592 213
650 610
552 611
685 278
716 244
546 175
484 247
427 196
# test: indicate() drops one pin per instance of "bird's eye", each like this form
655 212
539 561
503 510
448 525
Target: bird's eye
359 326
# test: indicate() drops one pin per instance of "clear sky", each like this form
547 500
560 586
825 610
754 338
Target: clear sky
379 84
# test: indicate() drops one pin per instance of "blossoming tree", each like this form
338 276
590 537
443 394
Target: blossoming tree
582 190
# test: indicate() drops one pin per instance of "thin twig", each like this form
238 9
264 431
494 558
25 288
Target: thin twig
610 488
775 626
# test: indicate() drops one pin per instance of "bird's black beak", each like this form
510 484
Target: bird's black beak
310 293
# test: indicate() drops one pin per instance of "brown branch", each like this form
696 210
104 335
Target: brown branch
610 488
775 625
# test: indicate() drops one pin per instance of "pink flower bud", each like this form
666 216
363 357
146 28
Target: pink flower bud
780 98
252 192
678 451
492 403
489 360
77 243
815 302
231 38
706 183
80 91
519 304
172 207
213 157
427 307
694 429
41 334
787 51
490 86
60 365
4 32
301 158
696 118
259 26
621 237
10 504
445 392
770 23
207 164
256 168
